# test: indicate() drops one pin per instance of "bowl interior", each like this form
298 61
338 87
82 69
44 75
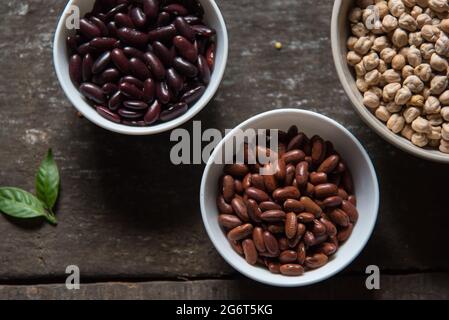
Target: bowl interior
365 182
212 18
339 34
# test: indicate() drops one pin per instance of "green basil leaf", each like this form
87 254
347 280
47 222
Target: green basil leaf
47 181
21 204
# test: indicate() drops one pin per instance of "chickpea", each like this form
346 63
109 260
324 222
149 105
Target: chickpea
396 7
388 54
390 90
445 113
419 139
435 119
389 23
391 76
410 114
423 19
407 71
438 5
442 45
363 45
398 62
399 38
436 22
422 3
416 101
432 105
416 11
438 63
427 49
407 132
396 123
382 8
409 3
414 83
360 69
371 61
438 84
355 15
435 133
445 131
423 71
444 146
372 78
350 43
377 91
444 98
414 56
353 58
403 96
382 67
362 85
426 93
393 107
371 100
359 30
382 114
407 22
444 25
380 43
415 39
430 33
421 125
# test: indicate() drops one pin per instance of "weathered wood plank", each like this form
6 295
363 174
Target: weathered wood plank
125 211
416 286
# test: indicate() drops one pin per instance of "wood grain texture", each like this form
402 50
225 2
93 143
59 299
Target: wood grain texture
125 211
414 286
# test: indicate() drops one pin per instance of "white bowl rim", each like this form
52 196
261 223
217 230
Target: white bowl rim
295 281
367 117
159 128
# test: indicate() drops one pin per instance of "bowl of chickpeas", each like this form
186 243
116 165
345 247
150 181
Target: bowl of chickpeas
392 58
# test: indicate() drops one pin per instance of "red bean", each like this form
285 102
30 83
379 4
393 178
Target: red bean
163 53
203 30
193 95
174 80
131 90
132 80
203 70
109 89
132 37
176 9
116 101
164 33
156 66
162 92
135 105
138 17
101 63
103 44
185 67
100 25
210 56
88 63
93 92
123 20
184 29
120 60
185 48
110 75
153 113
75 69
131 52
151 8
149 90
139 69
105 113
89 29
129 114
174 111
163 19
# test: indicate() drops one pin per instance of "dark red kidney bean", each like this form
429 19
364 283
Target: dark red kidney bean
153 113
163 53
123 20
151 8
156 66
325 190
222 206
163 19
88 63
203 70
129 114
240 208
327 248
241 232
116 101
134 123
291 269
138 17
318 228
296 142
306 217
203 30
290 173
300 230
257 194
257 181
101 63
236 169
201 45
98 80
276 228
331 230
176 9
344 233
317 178
258 239
191 19
352 199
89 30
293 156
107 114
110 75
185 48
293 206
332 201
72 43
250 252
229 221
270 183
109 89
135 105
120 60
185 67
316 261
228 188
210 56
271 243
184 29
329 164
149 90
247 181
174 80
339 217
302 173
288 256
174 111
272 215
283 244
165 33
139 69
121 7
132 80
291 225
193 95
93 92
130 90
132 37
282 194
100 25
254 211
112 29
318 150
131 52
103 44
238 186
75 69
342 194
162 92
269 205
350 210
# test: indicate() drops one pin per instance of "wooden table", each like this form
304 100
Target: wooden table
131 220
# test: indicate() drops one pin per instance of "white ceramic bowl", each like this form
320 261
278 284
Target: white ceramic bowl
365 181
213 18
339 35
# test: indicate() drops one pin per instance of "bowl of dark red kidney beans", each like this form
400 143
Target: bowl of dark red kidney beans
304 220
140 66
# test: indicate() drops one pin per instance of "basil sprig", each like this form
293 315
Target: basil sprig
21 204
